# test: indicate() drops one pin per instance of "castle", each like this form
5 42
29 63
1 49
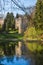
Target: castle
21 23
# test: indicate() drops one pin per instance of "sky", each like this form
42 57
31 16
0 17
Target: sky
26 3
29 2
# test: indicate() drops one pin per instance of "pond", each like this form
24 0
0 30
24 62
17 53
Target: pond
19 53
14 61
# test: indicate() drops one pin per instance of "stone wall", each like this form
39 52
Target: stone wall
18 24
21 24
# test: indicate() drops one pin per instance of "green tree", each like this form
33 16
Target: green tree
38 20
12 21
0 28
17 15
9 22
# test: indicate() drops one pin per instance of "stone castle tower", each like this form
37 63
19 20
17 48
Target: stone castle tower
21 24
18 24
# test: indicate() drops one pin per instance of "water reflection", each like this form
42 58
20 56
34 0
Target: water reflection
7 48
20 53
11 54
14 61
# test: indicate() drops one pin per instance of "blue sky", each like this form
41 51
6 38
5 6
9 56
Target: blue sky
29 2
26 3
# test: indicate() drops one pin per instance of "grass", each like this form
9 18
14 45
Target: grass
13 31
10 35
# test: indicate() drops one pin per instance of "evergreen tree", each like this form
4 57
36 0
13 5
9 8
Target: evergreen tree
38 20
17 15
9 22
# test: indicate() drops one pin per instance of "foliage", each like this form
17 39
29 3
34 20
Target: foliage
17 15
38 56
38 19
0 26
33 47
9 22
30 33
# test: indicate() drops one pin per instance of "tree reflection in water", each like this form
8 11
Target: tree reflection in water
7 48
7 55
